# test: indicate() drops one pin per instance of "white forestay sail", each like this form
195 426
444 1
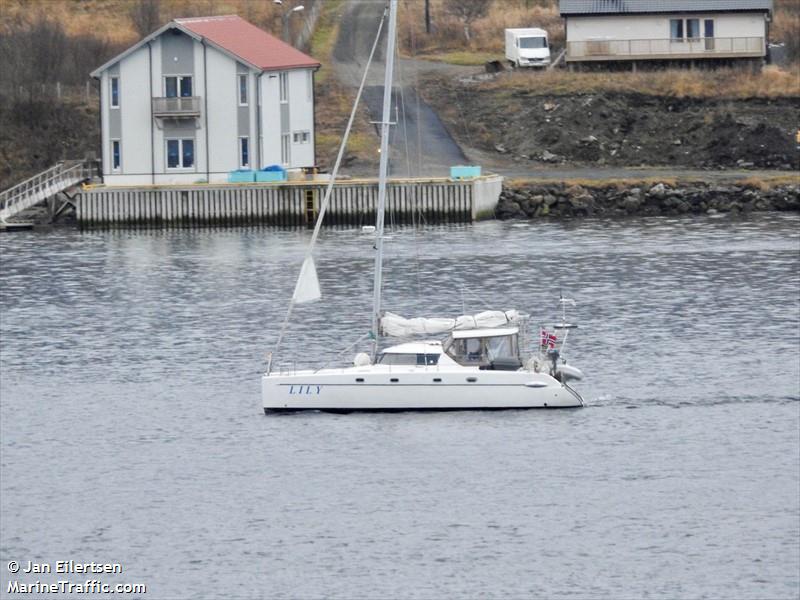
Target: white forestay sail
396 326
307 287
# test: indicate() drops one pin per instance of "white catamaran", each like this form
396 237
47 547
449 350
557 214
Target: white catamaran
482 364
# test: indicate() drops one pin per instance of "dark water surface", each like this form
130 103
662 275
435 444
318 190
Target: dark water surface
132 429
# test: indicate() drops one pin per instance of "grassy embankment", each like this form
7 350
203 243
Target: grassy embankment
334 101
772 82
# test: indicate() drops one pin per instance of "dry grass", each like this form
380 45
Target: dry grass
767 183
786 27
447 35
463 58
109 18
772 82
598 184
334 101
447 38
758 182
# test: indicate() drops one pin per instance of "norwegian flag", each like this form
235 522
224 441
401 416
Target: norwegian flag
548 339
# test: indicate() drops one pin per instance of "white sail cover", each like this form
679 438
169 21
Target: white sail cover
307 288
396 326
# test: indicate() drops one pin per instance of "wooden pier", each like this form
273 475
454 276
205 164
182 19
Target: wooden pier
287 204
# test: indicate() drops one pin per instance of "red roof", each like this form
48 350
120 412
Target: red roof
248 42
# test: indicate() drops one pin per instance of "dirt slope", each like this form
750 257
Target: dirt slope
617 129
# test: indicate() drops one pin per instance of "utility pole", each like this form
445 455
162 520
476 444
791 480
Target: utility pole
428 16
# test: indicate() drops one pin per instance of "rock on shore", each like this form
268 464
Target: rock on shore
552 200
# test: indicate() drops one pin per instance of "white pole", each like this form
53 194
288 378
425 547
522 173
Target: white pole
384 166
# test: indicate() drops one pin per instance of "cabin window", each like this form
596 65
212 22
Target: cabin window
481 351
180 154
116 157
301 137
427 359
114 84
242 90
676 30
397 359
419 360
283 79
244 152
178 85
497 347
310 86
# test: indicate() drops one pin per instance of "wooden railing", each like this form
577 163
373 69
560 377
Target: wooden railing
187 106
666 48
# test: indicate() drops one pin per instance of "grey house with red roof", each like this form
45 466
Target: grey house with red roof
666 30
202 97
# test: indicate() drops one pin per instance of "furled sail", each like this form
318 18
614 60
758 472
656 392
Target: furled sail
396 326
307 288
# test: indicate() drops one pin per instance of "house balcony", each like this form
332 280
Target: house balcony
666 49
187 107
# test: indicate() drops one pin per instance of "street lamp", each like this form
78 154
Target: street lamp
285 16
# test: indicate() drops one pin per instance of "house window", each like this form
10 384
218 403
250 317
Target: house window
283 78
244 152
676 30
180 154
116 157
301 137
242 90
285 149
114 83
310 84
708 33
693 29
177 85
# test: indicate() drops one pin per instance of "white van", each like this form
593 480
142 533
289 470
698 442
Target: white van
527 47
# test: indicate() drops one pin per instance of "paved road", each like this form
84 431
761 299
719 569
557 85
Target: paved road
420 144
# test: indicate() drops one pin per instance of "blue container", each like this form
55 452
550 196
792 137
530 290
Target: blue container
464 172
241 176
270 175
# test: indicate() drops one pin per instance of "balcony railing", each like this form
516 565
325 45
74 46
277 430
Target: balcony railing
729 47
188 107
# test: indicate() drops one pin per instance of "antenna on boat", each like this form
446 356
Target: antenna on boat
384 168
564 325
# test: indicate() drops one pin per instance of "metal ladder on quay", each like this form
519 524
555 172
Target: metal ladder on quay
32 191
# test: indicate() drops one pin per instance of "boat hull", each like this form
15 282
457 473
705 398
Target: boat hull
414 389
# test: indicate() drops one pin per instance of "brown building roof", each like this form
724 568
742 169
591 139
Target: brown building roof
248 42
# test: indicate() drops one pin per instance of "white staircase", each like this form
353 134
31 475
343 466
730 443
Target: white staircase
40 187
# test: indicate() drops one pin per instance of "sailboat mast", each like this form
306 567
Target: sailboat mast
384 167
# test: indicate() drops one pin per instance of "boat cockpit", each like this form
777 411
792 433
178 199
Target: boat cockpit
489 349
495 349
